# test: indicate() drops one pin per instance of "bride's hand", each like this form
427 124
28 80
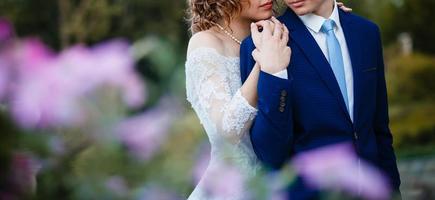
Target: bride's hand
343 7
271 53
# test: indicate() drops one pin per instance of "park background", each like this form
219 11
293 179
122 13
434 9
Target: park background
157 33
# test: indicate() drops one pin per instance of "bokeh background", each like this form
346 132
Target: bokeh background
149 149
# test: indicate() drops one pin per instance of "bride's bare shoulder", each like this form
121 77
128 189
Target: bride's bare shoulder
205 39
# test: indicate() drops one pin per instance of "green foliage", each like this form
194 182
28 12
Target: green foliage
161 26
416 17
33 18
64 22
412 100
398 16
8 141
411 79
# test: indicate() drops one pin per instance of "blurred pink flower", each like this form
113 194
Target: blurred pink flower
29 56
105 64
41 96
201 163
133 91
18 59
50 89
145 133
219 180
278 195
6 30
45 101
276 184
337 167
225 181
4 79
24 170
117 185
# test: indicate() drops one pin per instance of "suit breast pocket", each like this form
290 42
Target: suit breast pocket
368 78
369 72
369 69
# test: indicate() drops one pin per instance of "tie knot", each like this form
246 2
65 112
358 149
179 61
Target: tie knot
328 25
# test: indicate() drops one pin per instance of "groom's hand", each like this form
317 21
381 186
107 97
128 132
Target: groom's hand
272 52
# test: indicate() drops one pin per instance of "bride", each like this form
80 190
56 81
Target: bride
225 106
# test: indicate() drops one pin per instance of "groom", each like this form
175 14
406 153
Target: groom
333 91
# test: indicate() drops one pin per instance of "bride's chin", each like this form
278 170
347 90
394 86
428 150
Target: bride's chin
262 16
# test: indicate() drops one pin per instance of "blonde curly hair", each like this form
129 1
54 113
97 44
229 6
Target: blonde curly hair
204 14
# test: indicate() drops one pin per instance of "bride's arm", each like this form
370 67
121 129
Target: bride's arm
249 87
208 90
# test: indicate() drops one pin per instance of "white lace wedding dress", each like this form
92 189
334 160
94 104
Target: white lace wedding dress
213 89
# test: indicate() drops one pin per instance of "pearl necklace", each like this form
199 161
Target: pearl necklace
229 34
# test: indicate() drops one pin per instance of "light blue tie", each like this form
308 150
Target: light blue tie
335 57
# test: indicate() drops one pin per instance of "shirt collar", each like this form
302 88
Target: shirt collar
315 22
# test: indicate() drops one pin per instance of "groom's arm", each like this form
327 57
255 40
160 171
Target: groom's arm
384 137
272 130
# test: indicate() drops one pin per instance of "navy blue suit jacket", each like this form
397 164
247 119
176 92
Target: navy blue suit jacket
307 110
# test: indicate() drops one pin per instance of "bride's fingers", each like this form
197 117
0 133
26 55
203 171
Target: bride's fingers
343 7
256 35
272 25
267 30
278 30
347 9
285 35
256 55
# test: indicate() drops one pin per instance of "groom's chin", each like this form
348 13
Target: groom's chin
301 11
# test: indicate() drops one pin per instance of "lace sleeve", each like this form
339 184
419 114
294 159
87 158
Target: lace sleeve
209 92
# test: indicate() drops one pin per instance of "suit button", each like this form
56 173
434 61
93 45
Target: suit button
355 135
282 104
281 109
283 93
282 99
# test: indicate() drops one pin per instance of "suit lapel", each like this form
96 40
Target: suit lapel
354 46
300 35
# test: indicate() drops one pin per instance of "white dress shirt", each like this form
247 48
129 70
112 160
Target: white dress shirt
314 24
